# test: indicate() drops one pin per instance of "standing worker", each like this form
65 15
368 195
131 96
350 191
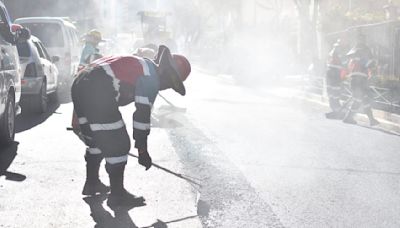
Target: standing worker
98 91
361 66
334 81
90 51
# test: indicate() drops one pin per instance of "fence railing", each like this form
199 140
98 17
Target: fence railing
387 99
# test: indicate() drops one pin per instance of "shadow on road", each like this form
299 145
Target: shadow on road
104 219
64 95
26 121
7 156
161 224
121 218
380 129
375 128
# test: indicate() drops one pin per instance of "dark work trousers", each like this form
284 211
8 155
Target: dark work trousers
96 107
334 88
361 95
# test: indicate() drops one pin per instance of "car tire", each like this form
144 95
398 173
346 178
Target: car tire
7 122
53 97
40 102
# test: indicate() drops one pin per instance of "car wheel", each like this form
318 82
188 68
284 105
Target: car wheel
7 124
41 100
53 97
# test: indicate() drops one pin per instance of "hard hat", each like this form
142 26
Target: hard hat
177 68
95 35
15 27
183 66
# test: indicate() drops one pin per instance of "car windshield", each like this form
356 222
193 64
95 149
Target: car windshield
49 33
23 49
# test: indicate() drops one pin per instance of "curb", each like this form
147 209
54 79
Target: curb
388 121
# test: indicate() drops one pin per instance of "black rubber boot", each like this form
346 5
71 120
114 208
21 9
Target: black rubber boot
334 115
119 197
349 118
93 184
372 120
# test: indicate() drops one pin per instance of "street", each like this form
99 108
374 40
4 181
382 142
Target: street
264 158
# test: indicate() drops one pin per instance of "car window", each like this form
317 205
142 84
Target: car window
49 33
46 54
5 30
74 37
69 37
23 49
40 51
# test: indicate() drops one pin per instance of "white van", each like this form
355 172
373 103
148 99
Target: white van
60 38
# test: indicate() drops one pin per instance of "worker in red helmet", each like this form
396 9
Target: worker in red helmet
98 91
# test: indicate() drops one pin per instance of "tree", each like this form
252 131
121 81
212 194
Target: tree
308 16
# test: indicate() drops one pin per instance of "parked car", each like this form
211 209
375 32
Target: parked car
40 75
10 77
60 38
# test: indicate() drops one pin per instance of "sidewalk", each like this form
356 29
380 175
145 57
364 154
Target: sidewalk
388 121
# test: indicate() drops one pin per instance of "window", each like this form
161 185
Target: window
72 34
46 54
5 29
49 33
40 51
74 37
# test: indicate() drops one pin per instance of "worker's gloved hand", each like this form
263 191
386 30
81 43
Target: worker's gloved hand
144 159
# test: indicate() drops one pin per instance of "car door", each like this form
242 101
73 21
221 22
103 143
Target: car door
52 69
46 65
8 61
3 87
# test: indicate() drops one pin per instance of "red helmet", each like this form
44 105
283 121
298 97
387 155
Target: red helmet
15 27
183 66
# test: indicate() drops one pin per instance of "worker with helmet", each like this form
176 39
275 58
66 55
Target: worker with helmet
334 71
90 51
360 67
98 91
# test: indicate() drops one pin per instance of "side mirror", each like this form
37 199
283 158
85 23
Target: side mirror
55 59
22 34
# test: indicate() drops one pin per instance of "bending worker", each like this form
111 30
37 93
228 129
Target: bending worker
98 91
361 66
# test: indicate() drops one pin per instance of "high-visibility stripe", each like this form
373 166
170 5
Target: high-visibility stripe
359 74
142 100
116 160
335 66
141 126
110 72
82 120
146 70
94 151
107 127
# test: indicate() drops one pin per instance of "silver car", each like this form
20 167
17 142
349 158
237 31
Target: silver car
40 75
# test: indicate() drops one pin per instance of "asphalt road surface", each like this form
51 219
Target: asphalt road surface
264 158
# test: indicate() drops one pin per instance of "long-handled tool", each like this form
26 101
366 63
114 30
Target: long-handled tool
179 175
176 108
